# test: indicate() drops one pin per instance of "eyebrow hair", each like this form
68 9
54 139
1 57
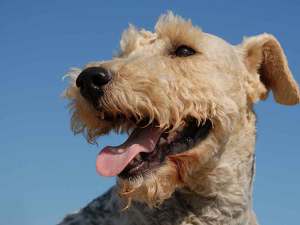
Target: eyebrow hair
132 37
178 30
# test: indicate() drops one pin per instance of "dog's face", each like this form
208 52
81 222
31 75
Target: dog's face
180 93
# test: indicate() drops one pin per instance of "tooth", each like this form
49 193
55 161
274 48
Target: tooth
102 115
162 141
138 157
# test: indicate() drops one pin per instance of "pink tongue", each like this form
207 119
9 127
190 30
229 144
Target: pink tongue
112 160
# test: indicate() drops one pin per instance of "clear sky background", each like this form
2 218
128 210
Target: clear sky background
46 172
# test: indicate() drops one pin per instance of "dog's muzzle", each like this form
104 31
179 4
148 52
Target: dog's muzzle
91 82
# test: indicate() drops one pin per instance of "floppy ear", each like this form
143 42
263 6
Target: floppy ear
264 55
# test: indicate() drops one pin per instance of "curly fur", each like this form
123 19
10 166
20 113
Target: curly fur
212 182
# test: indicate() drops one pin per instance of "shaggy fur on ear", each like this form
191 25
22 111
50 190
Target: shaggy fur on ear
264 55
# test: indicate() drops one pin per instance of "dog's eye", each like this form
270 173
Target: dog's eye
184 51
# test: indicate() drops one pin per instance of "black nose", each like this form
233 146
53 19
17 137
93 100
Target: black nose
93 77
91 80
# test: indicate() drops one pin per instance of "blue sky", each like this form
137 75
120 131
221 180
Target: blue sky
46 172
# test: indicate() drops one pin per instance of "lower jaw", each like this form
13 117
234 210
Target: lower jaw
142 169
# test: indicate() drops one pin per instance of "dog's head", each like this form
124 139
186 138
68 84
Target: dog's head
180 94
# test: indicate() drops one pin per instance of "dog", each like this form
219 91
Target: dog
185 98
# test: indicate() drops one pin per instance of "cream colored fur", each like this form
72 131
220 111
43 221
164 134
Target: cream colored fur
221 83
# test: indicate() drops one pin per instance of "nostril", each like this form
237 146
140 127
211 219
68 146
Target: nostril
79 81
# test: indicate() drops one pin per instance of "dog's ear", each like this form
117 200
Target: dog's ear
263 55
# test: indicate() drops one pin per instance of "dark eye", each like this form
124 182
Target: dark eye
184 51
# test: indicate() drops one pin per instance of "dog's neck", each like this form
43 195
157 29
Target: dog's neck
226 191
223 195
227 200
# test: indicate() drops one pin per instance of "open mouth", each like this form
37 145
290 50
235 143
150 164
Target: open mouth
147 148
